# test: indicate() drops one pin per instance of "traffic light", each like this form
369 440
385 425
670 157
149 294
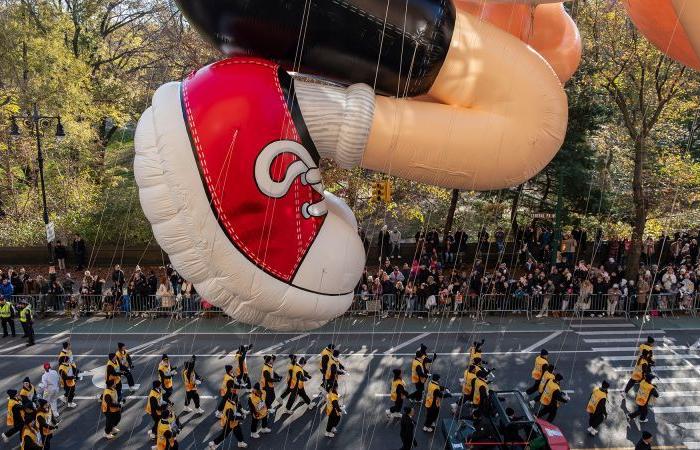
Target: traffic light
381 191
387 192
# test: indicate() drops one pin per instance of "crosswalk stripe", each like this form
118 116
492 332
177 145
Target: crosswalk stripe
624 340
603 325
656 357
675 380
615 332
632 349
690 425
676 409
656 368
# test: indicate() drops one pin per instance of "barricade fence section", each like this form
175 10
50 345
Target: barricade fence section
471 305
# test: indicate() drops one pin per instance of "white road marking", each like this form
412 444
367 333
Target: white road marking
675 409
603 325
173 334
407 343
281 344
539 343
267 333
656 357
675 380
615 332
690 425
624 340
38 341
632 349
129 397
692 445
656 368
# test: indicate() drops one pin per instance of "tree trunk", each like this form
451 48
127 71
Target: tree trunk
640 209
545 193
514 211
451 213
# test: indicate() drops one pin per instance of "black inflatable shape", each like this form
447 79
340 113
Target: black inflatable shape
399 43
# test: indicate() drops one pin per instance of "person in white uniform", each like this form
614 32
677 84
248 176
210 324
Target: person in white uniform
50 388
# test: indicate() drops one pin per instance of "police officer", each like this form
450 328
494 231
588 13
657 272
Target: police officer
45 423
596 407
398 394
68 374
433 398
551 398
230 422
268 378
153 404
111 408
26 319
7 316
334 410
538 371
165 374
259 411
15 417
646 395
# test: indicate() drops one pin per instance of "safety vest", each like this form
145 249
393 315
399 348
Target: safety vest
325 352
33 435
11 403
114 406
116 376
430 397
295 381
548 393
153 394
332 362
190 381
537 370
24 314
596 396
167 379
67 353
473 354
266 368
258 402
644 392
6 310
229 406
414 371
394 386
122 357
227 378
546 377
44 430
478 384
645 346
237 365
29 393
67 370
330 398
638 371
163 426
468 378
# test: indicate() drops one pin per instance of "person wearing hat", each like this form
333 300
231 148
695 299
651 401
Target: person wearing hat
31 438
433 398
468 381
111 408
126 365
153 404
334 369
191 380
538 371
50 385
646 395
398 394
26 319
259 410
645 442
648 346
419 375
166 430
27 392
480 393
325 355
68 374
7 317
333 411
165 374
67 351
475 351
240 366
291 378
296 386
224 389
408 429
641 367
268 378
596 407
230 422
112 373
14 418
551 398
45 424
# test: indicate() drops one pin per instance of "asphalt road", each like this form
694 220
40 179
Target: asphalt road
585 351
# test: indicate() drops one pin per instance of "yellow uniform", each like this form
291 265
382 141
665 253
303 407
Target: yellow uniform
237 366
540 361
115 377
227 377
224 421
639 369
332 362
158 395
478 384
596 396
415 378
10 421
394 386
190 380
163 426
546 377
165 376
45 430
548 394
473 354
430 397
258 402
644 393
33 435
468 379
267 369
330 398
67 370
114 406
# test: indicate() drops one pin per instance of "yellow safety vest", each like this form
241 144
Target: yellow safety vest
263 381
548 393
115 378
6 310
122 357
332 362
44 430
546 377
107 407
237 365
67 353
537 370
63 370
29 393
394 386
330 398
295 381
163 426
596 396
645 346
24 314
153 394
473 354
258 402
10 417
468 378
227 378
167 380
414 371
26 431
229 406
638 372
190 382
430 397
478 384
325 352
644 393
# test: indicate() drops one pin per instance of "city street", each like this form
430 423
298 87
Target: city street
585 352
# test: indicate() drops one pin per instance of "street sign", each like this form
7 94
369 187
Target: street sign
50 232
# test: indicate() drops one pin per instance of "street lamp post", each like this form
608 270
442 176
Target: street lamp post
36 121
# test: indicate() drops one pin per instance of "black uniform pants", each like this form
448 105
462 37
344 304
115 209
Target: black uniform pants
595 419
417 395
15 429
112 420
398 405
532 389
299 392
28 329
255 422
192 396
8 322
630 384
642 411
118 388
548 412
226 431
167 392
69 392
155 418
269 396
129 377
333 421
46 441
431 416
